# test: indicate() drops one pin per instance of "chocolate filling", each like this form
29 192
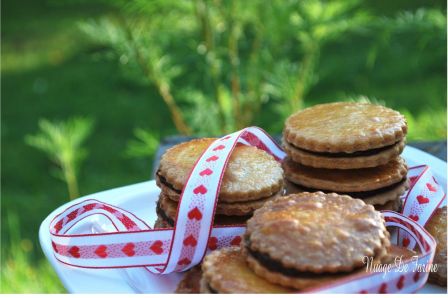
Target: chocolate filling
163 215
276 266
359 194
345 154
167 184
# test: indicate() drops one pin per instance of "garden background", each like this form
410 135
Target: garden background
89 88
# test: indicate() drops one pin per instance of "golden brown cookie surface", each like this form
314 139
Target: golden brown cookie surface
225 271
316 232
344 127
190 282
251 173
436 226
364 159
355 180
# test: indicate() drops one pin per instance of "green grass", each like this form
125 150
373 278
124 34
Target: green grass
50 71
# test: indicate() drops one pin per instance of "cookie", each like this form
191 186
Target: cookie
305 280
344 127
166 210
225 271
346 181
242 208
386 198
251 173
396 253
362 159
315 233
190 282
436 226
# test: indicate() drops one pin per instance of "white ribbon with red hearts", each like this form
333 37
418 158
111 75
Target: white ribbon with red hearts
162 251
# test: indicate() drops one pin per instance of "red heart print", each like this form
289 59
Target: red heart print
88 207
383 289
422 200
225 138
412 179
128 249
58 226
74 251
206 172
156 247
212 158
190 241
72 215
431 187
55 248
400 282
200 190
414 217
213 243
406 242
195 214
184 261
220 147
416 276
236 241
101 251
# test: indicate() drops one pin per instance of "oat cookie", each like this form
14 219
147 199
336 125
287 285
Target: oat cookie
251 173
190 282
225 271
345 127
355 180
315 232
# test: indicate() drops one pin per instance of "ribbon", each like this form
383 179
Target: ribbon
162 251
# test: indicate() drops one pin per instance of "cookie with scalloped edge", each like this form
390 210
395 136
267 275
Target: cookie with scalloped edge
316 232
307 280
354 180
344 127
363 159
225 271
251 173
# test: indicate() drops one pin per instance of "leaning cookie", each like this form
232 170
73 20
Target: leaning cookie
190 282
321 235
225 271
436 226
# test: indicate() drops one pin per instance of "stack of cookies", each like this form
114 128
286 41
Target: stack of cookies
298 242
348 148
252 177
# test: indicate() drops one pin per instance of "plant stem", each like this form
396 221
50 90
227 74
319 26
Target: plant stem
162 87
202 14
70 178
234 61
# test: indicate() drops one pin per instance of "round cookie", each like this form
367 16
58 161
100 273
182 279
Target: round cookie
225 271
396 253
242 208
251 172
315 232
190 282
344 127
306 280
365 159
436 226
355 180
387 198
167 209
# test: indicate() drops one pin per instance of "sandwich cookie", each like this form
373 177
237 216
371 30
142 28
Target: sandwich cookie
377 186
307 239
344 135
225 272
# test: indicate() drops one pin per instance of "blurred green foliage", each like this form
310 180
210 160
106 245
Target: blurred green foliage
143 70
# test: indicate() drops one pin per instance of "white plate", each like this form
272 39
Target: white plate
141 200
